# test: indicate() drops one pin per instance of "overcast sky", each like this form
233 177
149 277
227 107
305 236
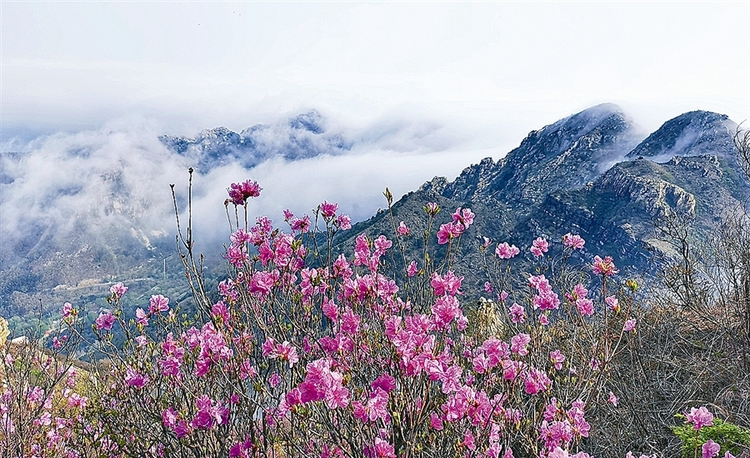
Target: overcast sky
512 66
458 81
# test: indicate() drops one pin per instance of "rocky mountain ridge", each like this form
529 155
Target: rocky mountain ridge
589 174
592 173
299 137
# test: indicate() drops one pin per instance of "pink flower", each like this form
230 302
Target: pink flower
240 237
68 310
710 449
604 266
700 417
613 303
505 251
557 358
182 429
105 321
377 406
535 381
35 395
573 241
220 312
118 290
629 325
385 382
445 310
403 229
330 310
383 449
263 282
585 306
381 245
344 222
321 383
539 247
412 269
463 216
511 369
350 321
240 192
328 209
448 232
518 344
517 313
286 352
76 400
612 399
241 449
237 256
431 209
141 317
446 284
134 379
435 422
469 440
158 303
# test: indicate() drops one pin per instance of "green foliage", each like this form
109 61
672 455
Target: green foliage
732 438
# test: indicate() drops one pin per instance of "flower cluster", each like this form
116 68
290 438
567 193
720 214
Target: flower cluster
240 192
314 353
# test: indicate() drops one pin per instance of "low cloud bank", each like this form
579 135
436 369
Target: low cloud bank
116 180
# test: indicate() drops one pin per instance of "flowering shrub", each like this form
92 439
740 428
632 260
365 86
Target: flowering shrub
309 352
703 433
43 395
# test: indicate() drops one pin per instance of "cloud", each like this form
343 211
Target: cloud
100 184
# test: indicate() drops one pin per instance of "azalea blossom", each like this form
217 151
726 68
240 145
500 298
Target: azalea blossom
240 192
710 449
344 222
105 321
604 266
573 241
328 209
557 359
506 251
539 247
158 303
700 417
118 290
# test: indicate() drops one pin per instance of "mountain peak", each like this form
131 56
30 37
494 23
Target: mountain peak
563 155
690 134
297 137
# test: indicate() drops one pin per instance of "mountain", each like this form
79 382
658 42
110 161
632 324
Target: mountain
691 134
299 137
81 211
592 173
589 174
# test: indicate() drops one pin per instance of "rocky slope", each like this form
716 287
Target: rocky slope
299 137
591 173
588 174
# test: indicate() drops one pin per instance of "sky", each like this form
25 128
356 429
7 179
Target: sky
444 84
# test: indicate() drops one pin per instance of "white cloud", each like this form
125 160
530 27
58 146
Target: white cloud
427 89
196 65
103 182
